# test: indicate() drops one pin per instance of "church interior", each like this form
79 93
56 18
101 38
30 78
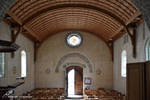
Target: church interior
74 50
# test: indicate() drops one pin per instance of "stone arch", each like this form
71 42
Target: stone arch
74 64
65 57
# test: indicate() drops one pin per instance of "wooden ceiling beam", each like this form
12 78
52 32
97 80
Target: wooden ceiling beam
20 24
14 17
29 36
137 21
133 38
110 45
14 36
16 26
32 33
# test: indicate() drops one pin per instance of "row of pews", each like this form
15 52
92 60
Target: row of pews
45 94
59 94
103 94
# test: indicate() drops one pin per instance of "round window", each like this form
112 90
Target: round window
74 39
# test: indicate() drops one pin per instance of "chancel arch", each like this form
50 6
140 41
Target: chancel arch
70 55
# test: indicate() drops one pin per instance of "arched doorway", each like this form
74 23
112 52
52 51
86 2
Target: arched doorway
74 82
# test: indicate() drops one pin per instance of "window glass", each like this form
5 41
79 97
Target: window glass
2 64
148 50
23 64
74 39
123 63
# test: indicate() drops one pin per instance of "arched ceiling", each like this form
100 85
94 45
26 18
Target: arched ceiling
104 18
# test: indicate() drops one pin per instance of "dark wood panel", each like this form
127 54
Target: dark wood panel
78 81
135 81
148 80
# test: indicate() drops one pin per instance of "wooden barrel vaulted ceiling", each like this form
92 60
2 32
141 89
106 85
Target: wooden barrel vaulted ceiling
104 18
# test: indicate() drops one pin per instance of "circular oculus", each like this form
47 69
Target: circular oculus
74 39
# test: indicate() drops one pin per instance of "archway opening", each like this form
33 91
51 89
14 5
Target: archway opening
74 82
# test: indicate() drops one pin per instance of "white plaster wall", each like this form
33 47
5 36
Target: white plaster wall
119 46
55 47
10 77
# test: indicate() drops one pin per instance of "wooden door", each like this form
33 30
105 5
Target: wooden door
78 81
135 81
67 71
147 81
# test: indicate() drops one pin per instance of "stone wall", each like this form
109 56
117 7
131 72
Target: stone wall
4 6
143 35
144 7
92 55
13 65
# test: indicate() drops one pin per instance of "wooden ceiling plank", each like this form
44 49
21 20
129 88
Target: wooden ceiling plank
29 9
51 27
100 33
14 5
62 13
127 12
131 4
32 33
61 19
59 25
90 18
108 4
125 6
133 17
19 5
118 9
14 17
75 5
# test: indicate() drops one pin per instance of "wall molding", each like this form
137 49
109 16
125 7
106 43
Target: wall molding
74 64
70 55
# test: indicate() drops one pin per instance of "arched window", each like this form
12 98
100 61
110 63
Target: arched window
123 63
2 64
23 64
147 50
